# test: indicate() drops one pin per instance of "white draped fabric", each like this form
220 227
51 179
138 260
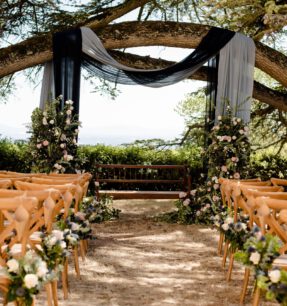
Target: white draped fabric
235 77
48 88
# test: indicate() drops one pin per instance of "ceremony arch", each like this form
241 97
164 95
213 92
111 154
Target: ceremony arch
230 57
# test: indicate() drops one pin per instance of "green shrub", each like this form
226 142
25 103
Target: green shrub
14 156
266 166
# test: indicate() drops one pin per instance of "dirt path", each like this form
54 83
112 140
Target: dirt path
138 261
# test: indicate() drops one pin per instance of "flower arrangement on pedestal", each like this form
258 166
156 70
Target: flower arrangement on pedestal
53 141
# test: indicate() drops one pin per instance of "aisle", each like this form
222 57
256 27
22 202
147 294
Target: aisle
138 261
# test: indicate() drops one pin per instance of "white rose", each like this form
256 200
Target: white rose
68 157
186 202
52 241
52 121
63 244
30 281
39 145
62 145
219 118
58 234
228 220
274 275
42 269
75 227
255 257
68 121
13 265
182 195
225 226
68 112
44 121
193 192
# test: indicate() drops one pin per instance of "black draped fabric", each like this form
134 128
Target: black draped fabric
69 56
209 47
67 48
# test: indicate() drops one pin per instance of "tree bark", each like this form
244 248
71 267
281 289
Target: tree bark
37 50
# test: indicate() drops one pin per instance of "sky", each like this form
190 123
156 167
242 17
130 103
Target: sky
137 113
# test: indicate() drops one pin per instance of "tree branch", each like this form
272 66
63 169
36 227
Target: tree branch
38 49
260 92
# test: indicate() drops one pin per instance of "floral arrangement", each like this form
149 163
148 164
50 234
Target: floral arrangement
229 151
76 227
274 284
53 250
79 225
236 233
97 211
259 252
27 276
227 156
53 141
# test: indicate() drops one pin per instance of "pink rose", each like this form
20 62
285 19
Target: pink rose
224 168
45 143
236 175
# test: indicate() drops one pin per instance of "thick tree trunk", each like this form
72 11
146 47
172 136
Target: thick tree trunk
37 50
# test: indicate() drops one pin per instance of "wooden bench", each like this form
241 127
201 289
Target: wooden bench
174 179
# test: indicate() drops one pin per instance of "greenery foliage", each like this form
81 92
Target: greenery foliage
53 141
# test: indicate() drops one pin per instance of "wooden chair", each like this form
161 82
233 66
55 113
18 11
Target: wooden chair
227 188
242 198
272 214
68 191
42 215
17 210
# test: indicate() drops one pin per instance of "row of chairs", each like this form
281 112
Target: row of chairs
31 202
265 204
